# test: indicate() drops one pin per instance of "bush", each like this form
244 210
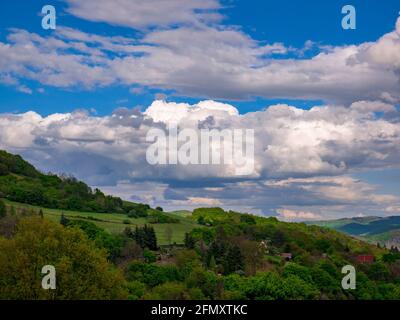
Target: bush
152 275
136 290
159 217
138 212
149 256
112 243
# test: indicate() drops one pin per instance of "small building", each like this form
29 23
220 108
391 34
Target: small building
287 256
365 258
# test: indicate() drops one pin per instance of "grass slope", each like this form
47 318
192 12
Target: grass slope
114 223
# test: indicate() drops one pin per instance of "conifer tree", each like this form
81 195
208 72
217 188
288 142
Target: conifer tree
233 260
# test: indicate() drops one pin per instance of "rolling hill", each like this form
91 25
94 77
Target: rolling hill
209 253
384 230
25 189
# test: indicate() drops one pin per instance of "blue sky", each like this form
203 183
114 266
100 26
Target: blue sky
290 22
323 101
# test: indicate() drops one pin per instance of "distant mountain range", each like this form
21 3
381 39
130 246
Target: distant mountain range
374 229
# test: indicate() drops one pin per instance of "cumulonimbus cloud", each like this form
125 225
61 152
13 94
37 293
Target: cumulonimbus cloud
307 155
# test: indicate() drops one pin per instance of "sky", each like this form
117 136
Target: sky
323 101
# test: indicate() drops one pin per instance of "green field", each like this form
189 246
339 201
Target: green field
114 222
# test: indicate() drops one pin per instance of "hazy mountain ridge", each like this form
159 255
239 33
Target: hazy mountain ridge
377 229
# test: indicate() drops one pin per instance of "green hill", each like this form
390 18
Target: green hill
373 229
21 182
28 190
209 254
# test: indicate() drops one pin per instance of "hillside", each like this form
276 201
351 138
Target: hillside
385 230
21 182
207 254
28 190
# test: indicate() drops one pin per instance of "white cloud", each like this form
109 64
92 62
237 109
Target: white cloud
393 210
162 111
304 159
203 202
141 14
290 142
338 190
203 60
386 51
24 89
290 215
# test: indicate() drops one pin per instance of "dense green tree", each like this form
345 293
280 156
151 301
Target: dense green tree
217 250
278 238
206 281
136 290
151 274
82 270
149 256
378 271
159 217
186 260
146 237
270 286
248 219
112 243
234 260
295 269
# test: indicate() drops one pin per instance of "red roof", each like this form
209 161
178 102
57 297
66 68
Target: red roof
365 258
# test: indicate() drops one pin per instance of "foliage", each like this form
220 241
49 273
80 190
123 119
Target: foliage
82 270
228 255
21 182
102 239
152 275
145 237
159 217
149 256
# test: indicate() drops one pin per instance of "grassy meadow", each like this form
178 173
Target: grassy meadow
115 223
